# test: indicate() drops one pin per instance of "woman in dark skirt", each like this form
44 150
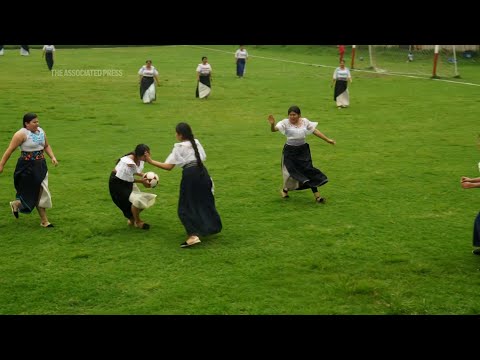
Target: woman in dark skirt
31 173
125 194
341 77
196 204
48 52
148 79
297 168
204 77
472 183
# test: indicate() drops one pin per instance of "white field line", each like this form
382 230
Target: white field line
334 67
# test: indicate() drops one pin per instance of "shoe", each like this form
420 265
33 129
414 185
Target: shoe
144 226
284 194
46 226
320 200
476 251
14 211
194 240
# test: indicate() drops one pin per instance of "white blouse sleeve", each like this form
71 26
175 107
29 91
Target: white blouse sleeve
310 126
140 72
281 126
174 158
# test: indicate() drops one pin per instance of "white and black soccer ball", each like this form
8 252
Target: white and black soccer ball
152 178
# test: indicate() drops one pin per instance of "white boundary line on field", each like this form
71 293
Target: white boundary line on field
334 67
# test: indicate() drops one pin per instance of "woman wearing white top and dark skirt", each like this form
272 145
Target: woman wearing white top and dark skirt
241 57
297 168
341 77
125 194
148 77
196 203
48 51
204 78
31 173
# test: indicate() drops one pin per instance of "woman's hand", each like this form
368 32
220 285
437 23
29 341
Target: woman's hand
331 141
271 119
54 161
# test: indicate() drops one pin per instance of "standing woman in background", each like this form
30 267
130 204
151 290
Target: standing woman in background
241 57
204 78
31 173
48 51
341 77
196 204
24 50
148 77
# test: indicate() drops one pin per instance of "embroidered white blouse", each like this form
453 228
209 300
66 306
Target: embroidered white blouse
126 168
296 134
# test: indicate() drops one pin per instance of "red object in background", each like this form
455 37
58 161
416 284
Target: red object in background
341 51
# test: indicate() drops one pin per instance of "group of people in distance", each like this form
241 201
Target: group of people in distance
149 77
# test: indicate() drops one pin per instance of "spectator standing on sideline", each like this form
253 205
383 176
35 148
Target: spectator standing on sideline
48 52
241 57
471 183
1 50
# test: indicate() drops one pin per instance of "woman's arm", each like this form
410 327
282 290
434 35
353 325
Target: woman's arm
317 133
17 140
48 149
271 120
159 164
156 79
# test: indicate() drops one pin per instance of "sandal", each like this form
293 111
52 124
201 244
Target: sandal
193 240
284 194
46 225
320 200
144 226
14 211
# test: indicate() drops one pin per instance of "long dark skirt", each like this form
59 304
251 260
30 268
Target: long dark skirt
340 88
298 162
120 191
145 84
27 178
204 80
241 67
49 59
476 231
196 203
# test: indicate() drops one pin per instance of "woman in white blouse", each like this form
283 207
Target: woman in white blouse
148 79
125 194
204 79
297 168
48 52
196 204
341 77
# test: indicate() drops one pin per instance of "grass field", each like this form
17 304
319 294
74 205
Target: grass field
395 236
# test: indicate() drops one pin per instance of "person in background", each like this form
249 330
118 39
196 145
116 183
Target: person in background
196 203
1 50
241 57
48 52
341 52
24 50
204 79
148 79
297 168
125 194
341 77
31 173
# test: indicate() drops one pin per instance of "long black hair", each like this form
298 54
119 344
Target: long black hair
186 131
140 150
295 109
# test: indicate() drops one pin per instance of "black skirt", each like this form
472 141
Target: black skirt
120 191
476 231
196 203
145 84
27 178
340 88
298 161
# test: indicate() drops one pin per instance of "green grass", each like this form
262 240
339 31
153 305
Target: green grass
393 238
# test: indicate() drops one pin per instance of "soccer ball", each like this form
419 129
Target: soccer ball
152 178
